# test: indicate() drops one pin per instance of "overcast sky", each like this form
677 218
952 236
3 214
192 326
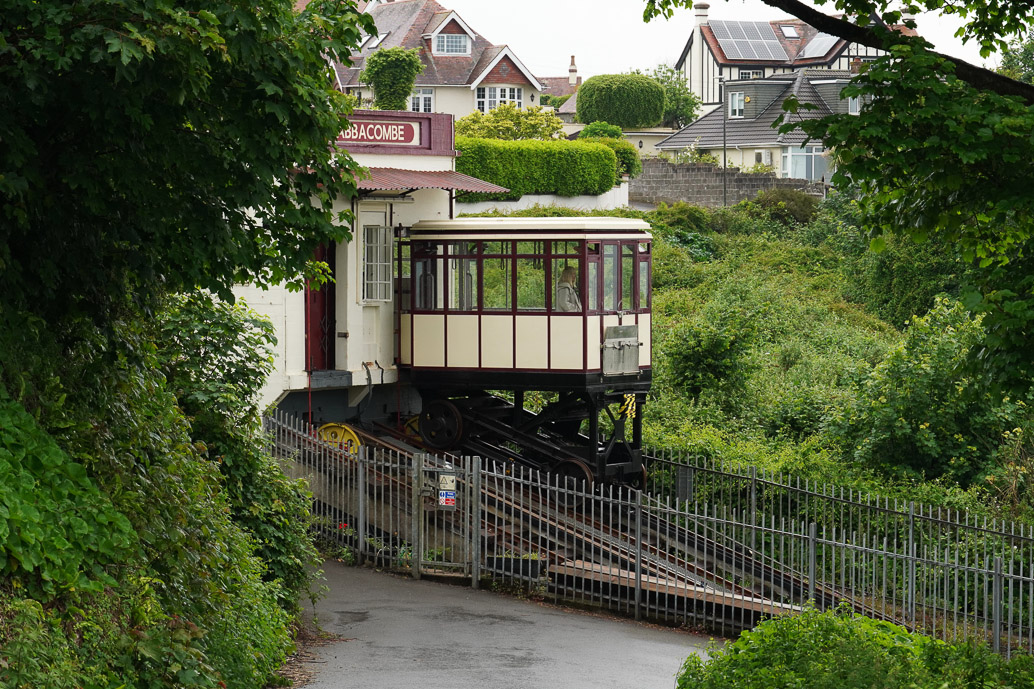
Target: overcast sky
608 36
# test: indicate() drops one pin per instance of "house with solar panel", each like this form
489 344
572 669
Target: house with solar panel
736 50
463 71
744 134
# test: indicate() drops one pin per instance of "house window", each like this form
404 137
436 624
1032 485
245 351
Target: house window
804 162
736 104
377 263
789 31
488 97
422 100
853 105
452 44
752 73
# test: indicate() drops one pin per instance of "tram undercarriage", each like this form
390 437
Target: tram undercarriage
558 438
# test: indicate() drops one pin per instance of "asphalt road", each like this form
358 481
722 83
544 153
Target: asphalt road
425 635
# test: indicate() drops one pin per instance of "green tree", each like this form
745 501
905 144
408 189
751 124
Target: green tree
509 122
625 100
391 72
1018 61
148 146
942 147
680 104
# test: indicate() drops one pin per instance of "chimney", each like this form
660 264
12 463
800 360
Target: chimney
572 73
856 66
700 12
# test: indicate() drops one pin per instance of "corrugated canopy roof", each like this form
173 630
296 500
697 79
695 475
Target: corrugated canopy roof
387 178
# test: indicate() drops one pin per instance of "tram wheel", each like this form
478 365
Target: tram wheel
573 476
441 424
339 434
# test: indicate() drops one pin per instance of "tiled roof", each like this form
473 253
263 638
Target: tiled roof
387 178
706 132
404 23
570 106
558 86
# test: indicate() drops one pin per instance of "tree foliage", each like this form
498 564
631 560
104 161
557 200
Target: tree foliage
509 122
625 100
601 129
680 103
941 148
149 146
1018 60
392 72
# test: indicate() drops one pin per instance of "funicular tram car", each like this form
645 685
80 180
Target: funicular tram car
497 313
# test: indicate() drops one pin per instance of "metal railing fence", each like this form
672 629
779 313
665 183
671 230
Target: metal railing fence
705 546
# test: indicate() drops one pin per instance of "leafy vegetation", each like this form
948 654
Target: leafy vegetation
625 100
681 105
566 168
511 123
629 162
391 73
840 649
601 130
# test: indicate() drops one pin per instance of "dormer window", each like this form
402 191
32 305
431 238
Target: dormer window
789 31
736 104
452 44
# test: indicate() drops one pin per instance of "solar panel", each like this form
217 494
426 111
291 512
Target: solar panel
819 46
747 40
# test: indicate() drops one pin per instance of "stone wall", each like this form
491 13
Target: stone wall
701 184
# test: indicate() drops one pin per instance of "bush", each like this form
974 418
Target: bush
557 101
625 100
511 123
848 651
565 168
629 162
787 205
599 130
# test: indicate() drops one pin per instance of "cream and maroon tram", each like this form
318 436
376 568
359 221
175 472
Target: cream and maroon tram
528 339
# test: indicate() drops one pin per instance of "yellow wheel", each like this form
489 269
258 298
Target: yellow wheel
339 434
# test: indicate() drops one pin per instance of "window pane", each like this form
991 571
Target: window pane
536 248
644 285
566 248
463 288
497 248
496 283
531 284
627 276
567 276
377 241
593 286
611 286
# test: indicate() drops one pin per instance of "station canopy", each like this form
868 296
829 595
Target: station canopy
394 179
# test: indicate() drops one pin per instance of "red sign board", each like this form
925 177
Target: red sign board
390 133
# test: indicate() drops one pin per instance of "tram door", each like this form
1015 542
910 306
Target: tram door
375 244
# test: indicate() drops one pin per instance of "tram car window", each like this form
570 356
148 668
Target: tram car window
501 307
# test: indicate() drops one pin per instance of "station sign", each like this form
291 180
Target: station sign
382 133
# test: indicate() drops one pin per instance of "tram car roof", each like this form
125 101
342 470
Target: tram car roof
596 226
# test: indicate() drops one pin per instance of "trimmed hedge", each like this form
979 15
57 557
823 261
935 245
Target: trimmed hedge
564 168
627 100
627 155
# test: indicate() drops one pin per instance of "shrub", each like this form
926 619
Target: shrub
841 649
787 205
557 101
625 100
599 130
392 72
511 123
629 162
565 168
680 103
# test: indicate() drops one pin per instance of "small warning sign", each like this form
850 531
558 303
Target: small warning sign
447 498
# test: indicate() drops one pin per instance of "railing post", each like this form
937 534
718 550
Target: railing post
996 601
753 509
638 515
910 554
418 513
475 522
813 539
361 484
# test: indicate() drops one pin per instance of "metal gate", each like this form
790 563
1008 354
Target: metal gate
446 516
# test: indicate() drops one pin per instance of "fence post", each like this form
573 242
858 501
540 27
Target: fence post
475 521
910 553
361 483
638 514
753 510
418 513
813 538
996 601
